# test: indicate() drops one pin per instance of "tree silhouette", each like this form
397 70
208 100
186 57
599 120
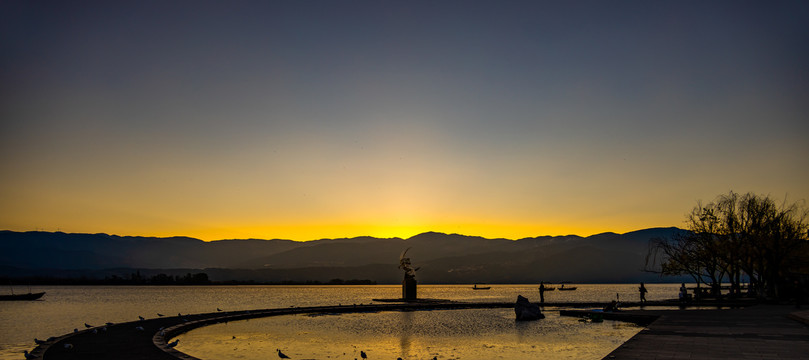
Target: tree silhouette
736 236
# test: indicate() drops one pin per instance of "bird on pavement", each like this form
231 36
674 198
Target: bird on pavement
141 318
87 325
29 356
160 315
362 354
282 355
173 343
39 342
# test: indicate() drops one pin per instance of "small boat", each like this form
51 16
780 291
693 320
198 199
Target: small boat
28 296
563 288
476 287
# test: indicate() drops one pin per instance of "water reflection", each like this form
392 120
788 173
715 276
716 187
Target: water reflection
447 334
66 307
521 328
407 329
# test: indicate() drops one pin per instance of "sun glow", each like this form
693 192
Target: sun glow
371 124
316 231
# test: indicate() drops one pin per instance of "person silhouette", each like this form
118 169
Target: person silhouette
643 291
542 292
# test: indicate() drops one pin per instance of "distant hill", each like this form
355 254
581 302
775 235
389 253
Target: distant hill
443 258
97 251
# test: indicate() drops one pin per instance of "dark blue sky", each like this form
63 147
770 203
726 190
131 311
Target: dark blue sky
326 118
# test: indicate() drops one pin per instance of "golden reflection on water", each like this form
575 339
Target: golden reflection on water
445 334
67 307
407 332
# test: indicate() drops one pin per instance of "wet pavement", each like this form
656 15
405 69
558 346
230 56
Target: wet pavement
755 332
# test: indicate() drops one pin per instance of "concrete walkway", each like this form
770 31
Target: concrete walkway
756 332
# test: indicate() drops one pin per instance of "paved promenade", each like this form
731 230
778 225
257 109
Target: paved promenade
756 332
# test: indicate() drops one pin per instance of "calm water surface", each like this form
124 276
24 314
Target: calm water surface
451 334
446 334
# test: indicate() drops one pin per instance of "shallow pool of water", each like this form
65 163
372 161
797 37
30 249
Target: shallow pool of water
64 308
445 334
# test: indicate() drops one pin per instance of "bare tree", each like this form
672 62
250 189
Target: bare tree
733 236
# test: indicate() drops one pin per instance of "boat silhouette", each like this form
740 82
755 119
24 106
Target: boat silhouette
28 296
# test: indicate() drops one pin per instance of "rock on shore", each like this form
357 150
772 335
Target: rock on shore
525 310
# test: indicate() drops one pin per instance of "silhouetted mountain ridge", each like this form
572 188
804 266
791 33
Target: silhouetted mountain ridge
443 258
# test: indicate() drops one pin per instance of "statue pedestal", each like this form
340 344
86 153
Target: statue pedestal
409 289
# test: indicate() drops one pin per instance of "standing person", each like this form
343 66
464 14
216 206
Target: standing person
643 291
542 292
683 293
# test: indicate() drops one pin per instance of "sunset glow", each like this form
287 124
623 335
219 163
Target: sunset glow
303 120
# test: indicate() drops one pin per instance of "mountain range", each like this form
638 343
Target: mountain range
442 258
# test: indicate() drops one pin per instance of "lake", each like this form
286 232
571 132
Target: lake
449 334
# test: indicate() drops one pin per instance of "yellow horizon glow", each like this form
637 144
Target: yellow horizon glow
239 131
313 232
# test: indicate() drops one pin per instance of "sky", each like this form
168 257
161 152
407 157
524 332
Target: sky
322 119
